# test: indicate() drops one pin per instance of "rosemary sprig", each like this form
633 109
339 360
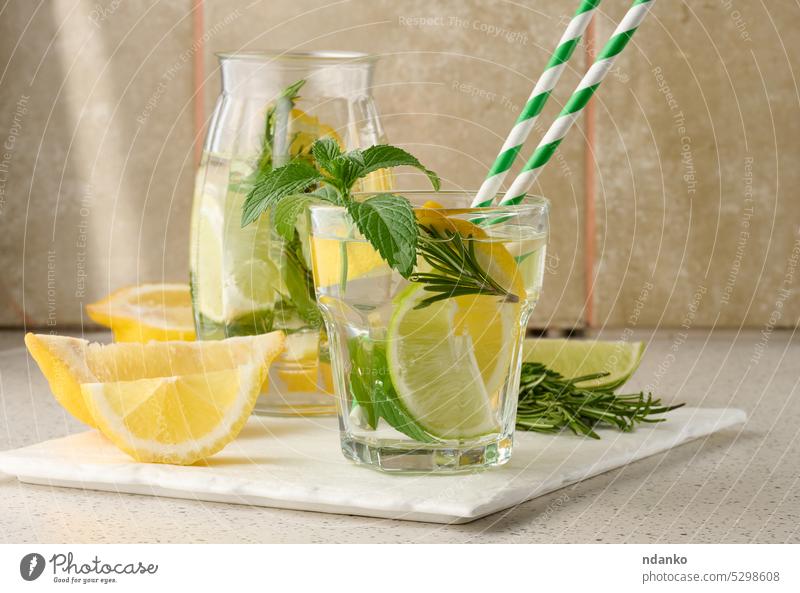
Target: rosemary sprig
455 269
548 403
275 146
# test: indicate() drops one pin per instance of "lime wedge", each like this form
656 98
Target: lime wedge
434 369
574 358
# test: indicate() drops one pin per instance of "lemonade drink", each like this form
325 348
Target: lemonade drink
428 387
248 281
251 280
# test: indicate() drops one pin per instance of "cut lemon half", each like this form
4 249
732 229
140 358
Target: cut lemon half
169 402
146 312
574 358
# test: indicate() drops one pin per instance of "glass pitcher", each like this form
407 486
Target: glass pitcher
246 281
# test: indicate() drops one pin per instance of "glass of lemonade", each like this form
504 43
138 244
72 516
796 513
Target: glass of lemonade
273 107
428 387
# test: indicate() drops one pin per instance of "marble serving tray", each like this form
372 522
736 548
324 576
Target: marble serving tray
296 464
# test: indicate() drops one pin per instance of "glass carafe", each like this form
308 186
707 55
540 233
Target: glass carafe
249 280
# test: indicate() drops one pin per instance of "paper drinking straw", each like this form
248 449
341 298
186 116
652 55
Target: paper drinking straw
541 92
569 114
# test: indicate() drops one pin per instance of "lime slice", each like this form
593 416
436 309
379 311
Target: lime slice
233 273
493 328
252 285
574 358
434 369
207 224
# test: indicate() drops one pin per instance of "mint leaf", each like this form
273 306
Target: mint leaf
345 170
362 377
274 138
265 159
371 388
325 151
387 404
286 212
384 156
329 194
350 168
272 186
387 221
299 283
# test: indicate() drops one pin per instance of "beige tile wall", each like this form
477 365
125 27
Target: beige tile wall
100 175
698 141
98 98
448 88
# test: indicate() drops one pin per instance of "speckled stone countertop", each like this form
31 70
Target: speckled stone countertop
740 485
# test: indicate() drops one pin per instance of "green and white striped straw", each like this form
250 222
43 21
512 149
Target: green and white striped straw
569 114
541 92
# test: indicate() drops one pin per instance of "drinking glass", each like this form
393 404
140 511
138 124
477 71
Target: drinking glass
246 281
426 385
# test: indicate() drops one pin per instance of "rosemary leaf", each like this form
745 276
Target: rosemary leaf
455 269
549 403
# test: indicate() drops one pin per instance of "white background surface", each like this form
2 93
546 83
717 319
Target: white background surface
740 485
295 463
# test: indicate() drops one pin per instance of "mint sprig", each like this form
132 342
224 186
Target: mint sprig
386 221
273 185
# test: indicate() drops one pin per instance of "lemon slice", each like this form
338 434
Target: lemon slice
252 287
299 363
326 257
233 272
63 362
68 363
146 312
207 265
493 328
306 129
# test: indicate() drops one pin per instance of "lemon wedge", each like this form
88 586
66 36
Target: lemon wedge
146 312
164 402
